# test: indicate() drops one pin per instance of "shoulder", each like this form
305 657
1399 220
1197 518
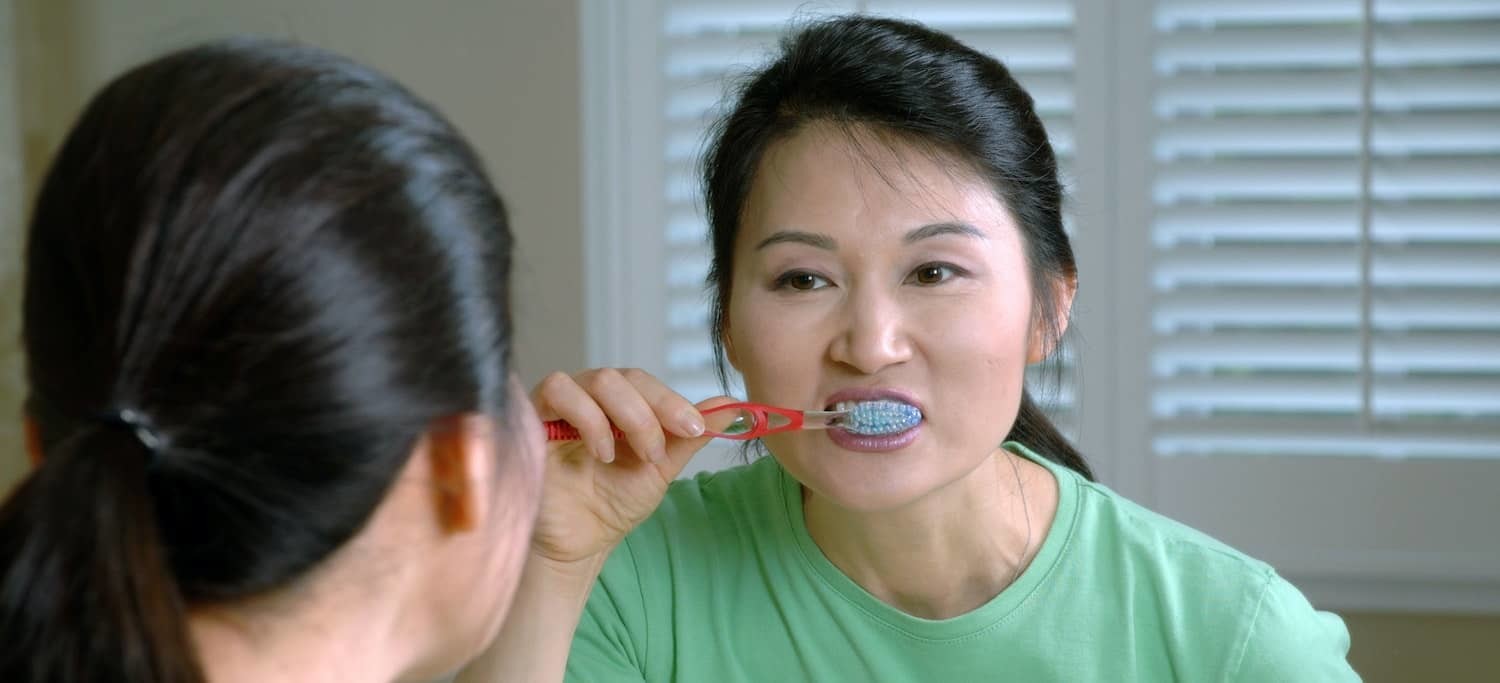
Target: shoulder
1173 552
1205 592
1288 640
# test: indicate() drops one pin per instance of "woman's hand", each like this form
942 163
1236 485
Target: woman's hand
597 489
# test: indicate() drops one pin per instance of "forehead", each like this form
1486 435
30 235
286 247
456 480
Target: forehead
829 178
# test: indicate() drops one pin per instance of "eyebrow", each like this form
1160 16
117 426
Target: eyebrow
950 228
827 243
799 237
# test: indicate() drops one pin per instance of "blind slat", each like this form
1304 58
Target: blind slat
1327 177
1433 222
1172 14
1328 46
1468 309
1321 438
1317 134
1460 87
1319 351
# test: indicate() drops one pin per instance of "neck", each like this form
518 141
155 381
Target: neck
949 552
302 638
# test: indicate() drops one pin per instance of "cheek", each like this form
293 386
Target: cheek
977 355
776 357
985 333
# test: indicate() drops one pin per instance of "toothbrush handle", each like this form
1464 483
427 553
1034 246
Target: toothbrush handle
560 430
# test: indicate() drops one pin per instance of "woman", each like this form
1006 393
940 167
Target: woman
886 225
272 410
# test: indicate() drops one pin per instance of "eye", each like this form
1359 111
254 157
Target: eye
933 273
801 281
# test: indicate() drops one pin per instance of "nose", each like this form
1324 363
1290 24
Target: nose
874 334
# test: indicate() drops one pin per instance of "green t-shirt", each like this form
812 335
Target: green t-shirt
723 583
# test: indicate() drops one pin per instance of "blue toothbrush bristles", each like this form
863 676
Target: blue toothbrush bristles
876 418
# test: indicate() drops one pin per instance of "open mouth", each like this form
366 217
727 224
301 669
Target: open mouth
878 417
875 426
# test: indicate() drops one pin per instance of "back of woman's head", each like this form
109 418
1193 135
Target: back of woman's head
256 275
913 86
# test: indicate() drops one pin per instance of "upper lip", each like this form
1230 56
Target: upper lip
871 394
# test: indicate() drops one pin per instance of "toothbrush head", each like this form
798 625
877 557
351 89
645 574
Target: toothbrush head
878 418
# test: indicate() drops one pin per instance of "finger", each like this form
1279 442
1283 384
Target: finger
560 397
629 411
543 390
674 412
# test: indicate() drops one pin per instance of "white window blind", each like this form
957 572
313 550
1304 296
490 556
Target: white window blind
1326 236
706 44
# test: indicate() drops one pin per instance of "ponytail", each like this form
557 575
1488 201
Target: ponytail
1037 432
85 589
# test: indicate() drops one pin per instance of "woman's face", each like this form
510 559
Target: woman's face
866 268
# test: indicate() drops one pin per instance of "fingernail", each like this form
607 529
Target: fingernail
690 423
605 448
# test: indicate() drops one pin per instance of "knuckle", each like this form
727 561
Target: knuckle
637 421
553 383
555 379
601 380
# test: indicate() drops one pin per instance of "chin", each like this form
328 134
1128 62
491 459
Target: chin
873 482
863 482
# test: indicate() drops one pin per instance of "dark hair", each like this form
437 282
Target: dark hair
922 87
257 273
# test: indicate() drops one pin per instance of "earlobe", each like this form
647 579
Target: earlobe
1038 346
458 449
1040 343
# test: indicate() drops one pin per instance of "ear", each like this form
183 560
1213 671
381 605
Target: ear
460 452
33 440
1041 344
729 354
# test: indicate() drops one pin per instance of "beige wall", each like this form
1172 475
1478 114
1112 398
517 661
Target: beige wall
506 72
1400 648
11 212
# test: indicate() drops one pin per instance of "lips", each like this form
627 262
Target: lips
883 443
